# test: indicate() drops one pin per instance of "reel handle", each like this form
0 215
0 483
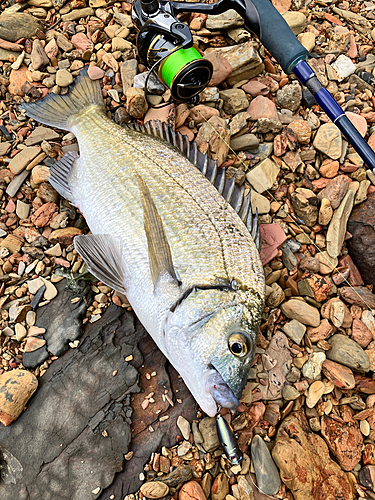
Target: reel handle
262 19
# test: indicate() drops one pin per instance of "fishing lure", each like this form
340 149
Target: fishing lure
228 441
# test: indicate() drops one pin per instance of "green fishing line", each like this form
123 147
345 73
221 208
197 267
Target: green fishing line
177 61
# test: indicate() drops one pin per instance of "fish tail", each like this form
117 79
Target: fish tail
60 110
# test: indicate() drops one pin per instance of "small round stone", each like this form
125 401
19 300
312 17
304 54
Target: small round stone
95 73
63 78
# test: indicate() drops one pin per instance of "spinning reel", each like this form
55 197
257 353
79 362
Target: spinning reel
167 44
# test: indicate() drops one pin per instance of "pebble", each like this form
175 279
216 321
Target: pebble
343 66
22 159
220 487
226 20
22 210
315 392
263 175
302 129
184 427
222 68
313 366
207 428
95 73
154 489
290 393
244 142
308 40
289 97
268 477
262 107
340 375
191 491
328 140
347 352
296 21
244 489
63 78
235 101
295 330
30 318
17 388
337 227
301 311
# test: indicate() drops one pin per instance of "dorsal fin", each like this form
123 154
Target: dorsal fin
234 194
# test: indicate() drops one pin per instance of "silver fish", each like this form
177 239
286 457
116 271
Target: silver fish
163 235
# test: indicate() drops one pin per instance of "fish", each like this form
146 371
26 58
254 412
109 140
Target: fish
163 235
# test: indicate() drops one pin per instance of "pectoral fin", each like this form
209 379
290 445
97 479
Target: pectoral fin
103 256
159 251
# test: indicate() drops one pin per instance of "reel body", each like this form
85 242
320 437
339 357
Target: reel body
165 43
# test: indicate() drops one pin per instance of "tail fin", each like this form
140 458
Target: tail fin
59 110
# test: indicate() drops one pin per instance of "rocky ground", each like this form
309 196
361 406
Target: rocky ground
108 418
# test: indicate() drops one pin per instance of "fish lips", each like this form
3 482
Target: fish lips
233 375
220 391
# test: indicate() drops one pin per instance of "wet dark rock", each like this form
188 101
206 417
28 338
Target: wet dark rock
77 400
164 433
62 320
367 477
362 245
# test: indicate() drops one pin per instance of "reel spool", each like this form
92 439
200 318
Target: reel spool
165 43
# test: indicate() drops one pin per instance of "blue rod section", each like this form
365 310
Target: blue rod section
328 104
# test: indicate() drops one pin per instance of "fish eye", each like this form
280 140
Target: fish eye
238 344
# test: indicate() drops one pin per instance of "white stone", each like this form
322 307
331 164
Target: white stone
184 427
21 332
263 175
344 67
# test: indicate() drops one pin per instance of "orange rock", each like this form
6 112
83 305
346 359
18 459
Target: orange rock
44 214
360 333
17 79
186 131
329 168
17 386
262 107
192 491
201 113
321 332
34 343
358 121
340 375
302 129
64 236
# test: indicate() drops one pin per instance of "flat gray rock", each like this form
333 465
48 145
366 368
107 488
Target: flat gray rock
347 352
267 474
73 436
18 25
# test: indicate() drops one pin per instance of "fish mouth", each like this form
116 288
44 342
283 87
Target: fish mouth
220 391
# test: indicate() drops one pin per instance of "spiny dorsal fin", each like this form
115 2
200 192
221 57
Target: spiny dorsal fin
234 194
60 173
159 251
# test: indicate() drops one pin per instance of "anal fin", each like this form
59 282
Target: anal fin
103 256
60 173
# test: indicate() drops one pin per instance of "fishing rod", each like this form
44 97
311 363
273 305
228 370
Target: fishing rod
166 43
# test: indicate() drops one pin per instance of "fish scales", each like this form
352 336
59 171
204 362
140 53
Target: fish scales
191 208
217 299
